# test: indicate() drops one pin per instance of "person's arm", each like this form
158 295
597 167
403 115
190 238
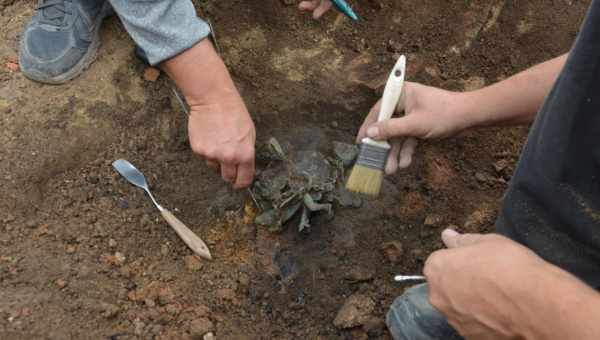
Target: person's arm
432 113
490 287
220 127
515 100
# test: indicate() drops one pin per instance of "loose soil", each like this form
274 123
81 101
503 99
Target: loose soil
84 255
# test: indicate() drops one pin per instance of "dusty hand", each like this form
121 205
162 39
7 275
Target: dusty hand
479 282
219 126
223 133
429 113
318 7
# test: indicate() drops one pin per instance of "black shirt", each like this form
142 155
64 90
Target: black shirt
553 203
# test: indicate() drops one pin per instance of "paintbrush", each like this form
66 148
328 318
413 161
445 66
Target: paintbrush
367 174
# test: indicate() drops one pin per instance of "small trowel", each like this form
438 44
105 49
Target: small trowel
135 177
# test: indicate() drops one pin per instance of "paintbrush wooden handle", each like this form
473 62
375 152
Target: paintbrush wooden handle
188 236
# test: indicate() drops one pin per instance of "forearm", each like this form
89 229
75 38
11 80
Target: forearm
200 74
512 101
560 307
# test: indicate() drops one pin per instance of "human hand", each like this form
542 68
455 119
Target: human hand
223 133
219 126
429 113
318 7
482 284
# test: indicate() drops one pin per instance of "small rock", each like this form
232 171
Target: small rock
355 312
193 263
164 249
112 243
345 152
478 219
61 283
151 74
226 294
9 218
244 280
199 327
288 2
433 221
109 310
393 251
150 303
374 326
357 275
172 309
500 165
120 258
480 177
209 336
70 249
335 124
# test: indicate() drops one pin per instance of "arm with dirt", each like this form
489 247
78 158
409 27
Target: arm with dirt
432 113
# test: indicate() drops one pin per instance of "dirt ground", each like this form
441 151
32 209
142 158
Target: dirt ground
83 255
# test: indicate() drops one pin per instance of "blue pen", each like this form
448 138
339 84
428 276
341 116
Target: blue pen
343 7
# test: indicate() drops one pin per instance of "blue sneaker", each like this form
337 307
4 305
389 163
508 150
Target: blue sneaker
62 39
412 317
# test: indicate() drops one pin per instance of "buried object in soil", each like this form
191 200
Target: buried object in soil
300 182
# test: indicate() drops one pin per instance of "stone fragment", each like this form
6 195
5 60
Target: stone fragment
355 312
200 327
393 251
151 74
193 263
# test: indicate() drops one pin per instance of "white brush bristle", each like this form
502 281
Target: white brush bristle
365 180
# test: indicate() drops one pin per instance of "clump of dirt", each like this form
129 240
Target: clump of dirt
84 255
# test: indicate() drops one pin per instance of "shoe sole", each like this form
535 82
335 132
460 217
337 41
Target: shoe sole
88 58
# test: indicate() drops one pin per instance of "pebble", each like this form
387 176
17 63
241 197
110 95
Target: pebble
355 312
199 327
393 251
374 326
209 336
112 243
335 124
151 74
31 224
145 220
109 310
123 204
193 263
70 249
433 221
61 283
357 275
138 326
164 249
500 165
120 258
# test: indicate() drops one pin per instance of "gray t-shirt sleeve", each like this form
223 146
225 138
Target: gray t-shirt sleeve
162 28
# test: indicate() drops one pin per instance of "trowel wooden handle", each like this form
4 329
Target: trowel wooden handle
188 236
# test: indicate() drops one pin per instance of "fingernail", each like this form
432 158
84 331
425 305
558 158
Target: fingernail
373 132
450 233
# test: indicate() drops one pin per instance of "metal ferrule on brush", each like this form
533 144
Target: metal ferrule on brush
372 156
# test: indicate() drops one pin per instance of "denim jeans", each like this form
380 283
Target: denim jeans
161 28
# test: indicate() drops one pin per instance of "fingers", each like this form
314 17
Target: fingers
245 174
408 149
323 7
319 7
391 165
371 118
453 239
229 172
409 126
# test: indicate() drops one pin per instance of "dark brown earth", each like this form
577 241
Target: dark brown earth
64 213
